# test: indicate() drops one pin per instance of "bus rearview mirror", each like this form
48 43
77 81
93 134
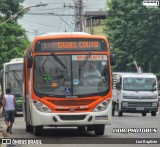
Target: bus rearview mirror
113 59
29 60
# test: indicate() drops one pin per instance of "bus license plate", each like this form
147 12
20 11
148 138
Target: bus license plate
140 108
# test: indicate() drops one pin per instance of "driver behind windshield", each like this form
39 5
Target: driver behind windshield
91 70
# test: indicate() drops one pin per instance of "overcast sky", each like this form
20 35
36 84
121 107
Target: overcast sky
38 21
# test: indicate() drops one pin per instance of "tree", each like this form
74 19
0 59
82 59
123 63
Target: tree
13 40
134 33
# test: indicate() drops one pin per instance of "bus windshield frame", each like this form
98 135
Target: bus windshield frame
13 78
49 76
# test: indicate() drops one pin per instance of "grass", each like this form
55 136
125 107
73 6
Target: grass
97 30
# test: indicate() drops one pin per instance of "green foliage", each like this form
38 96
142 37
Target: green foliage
158 76
134 34
10 7
13 40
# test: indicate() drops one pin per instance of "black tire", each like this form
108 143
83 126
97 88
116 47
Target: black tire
144 113
113 109
81 128
29 128
120 113
37 130
153 113
99 129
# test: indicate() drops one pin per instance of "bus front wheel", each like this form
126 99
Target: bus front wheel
120 113
37 130
29 128
99 129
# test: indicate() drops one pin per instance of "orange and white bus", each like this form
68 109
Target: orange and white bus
58 92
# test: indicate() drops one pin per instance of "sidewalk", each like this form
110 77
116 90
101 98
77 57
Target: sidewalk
1 125
2 129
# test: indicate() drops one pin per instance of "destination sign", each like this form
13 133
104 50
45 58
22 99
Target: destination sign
74 45
70 44
14 67
92 57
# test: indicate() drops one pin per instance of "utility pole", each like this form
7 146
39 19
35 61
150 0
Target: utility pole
78 15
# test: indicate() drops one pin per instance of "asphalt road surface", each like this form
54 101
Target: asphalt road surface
122 129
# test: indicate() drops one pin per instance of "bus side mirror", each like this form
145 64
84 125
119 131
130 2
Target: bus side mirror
113 59
29 60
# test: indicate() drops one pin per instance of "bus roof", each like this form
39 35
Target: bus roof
128 74
65 33
16 59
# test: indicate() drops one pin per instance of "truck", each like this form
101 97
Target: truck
134 93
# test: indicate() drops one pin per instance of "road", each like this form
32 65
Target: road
73 136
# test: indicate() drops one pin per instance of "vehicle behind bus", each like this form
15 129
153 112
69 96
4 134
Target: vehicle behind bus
56 93
135 92
12 78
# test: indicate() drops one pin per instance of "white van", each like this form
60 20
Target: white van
135 92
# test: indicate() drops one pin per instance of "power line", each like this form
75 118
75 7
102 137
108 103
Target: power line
63 20
55 14
37 23
78 7
60 22
67 19
57 8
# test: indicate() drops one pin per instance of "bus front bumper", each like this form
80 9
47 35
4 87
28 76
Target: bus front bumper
71 119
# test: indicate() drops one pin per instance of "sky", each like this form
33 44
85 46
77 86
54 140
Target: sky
41 20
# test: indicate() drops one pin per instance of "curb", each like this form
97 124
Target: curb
2 132
2 126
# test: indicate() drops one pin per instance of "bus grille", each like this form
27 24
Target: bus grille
72 117
72 102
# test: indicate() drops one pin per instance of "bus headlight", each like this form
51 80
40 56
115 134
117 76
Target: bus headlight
41 107
102 106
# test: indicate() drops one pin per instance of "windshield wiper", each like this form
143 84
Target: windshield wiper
16 76
59 61
83 63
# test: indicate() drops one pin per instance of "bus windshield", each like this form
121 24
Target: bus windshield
14 78
51 78
139 84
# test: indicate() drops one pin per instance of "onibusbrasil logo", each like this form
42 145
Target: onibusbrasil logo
151 3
